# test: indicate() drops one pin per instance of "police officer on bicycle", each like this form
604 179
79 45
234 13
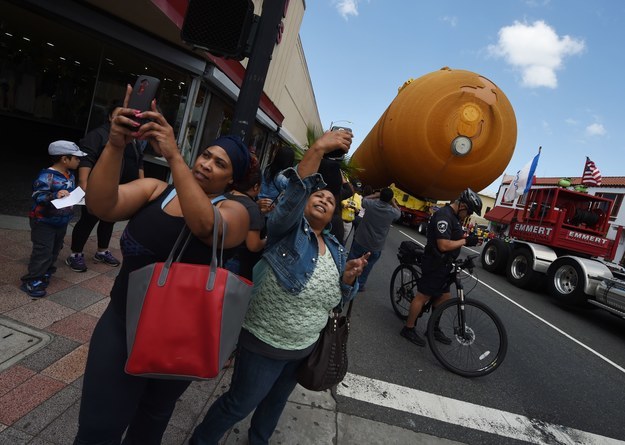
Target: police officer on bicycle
445 237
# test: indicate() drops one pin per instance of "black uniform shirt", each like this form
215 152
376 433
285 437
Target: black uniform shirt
444 224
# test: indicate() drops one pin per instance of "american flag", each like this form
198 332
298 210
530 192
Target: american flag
592 175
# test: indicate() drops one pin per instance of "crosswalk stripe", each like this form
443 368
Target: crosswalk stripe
465 414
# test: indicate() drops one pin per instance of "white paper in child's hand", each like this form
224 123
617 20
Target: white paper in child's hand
77 197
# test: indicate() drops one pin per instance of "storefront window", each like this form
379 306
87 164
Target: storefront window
217 121
58 81
47 71
120 67
53 73
258 140
265 156
190 138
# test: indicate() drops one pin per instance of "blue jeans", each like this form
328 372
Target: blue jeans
357 251
257 382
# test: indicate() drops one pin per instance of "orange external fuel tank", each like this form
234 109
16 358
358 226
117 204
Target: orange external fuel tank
444 132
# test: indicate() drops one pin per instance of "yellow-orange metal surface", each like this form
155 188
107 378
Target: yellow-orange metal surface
411 144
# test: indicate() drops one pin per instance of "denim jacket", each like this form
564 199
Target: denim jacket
292 247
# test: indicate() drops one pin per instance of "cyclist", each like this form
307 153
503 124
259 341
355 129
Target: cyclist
445 238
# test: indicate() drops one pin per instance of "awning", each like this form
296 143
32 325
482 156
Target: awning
500 214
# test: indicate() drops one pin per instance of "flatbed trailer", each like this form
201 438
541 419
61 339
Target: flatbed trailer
415 212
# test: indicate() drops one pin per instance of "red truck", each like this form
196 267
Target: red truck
558 237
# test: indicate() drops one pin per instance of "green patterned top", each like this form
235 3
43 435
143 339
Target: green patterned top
293 322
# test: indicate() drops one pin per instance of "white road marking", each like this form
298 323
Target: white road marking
560 331
465 414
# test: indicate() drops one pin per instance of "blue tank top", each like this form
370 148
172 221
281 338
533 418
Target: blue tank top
148 238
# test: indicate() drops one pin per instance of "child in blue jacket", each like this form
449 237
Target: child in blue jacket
48 224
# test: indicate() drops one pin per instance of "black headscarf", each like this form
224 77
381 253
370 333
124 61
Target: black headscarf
237 152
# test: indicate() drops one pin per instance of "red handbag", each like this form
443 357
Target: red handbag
183 320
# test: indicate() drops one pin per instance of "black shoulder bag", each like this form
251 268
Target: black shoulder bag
326 365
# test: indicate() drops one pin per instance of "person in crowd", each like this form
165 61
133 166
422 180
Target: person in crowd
303 275
48 224
112 401
445 238
246 191
350 208
273 182
381 210
341 188
471 227
132 168
366 191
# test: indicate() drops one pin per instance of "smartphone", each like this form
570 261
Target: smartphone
337 154
143 93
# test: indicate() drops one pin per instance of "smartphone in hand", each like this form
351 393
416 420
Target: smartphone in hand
337 154
143 93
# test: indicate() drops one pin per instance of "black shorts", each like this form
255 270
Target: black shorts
435 279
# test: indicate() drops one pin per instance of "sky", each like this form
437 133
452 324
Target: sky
561 64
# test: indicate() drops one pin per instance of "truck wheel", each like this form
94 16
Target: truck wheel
495 256
567 281
520 269
422 228
406 219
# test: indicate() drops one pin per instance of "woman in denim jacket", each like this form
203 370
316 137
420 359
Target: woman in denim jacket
302 276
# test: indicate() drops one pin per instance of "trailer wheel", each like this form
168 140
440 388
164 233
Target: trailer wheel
495 256
520 270
567 281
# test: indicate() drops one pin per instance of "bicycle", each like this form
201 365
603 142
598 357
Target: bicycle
479 341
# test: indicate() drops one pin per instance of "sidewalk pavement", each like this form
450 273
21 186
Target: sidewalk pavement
43 349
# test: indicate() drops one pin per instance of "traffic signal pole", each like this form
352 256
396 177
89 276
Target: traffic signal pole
258 64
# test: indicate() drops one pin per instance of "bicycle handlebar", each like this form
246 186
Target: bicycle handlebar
466 263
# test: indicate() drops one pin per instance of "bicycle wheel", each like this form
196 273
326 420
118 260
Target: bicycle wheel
403 288
477 352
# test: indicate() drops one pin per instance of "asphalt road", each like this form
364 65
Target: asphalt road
563 367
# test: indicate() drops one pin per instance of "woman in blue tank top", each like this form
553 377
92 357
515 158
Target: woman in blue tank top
114 402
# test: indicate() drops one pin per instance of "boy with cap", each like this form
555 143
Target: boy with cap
47 223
